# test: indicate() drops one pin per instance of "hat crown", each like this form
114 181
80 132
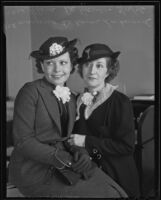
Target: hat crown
59 41
97 49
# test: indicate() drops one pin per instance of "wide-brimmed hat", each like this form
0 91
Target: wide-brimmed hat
96 51
53 47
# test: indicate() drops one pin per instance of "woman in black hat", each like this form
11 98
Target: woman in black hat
105 125
42 164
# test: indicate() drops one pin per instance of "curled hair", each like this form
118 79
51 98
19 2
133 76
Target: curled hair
73 54
113 67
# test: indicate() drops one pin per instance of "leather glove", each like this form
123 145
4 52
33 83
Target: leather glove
82 162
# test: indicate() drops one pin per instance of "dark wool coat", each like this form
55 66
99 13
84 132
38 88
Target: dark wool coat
36 123
110 139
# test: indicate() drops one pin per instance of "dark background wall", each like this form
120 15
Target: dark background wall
129 29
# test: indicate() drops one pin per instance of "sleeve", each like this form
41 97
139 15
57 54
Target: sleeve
120 128
24 134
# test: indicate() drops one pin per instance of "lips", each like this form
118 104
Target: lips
57 75
91 77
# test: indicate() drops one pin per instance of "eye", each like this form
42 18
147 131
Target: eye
85 65
48 63
63 62
99 66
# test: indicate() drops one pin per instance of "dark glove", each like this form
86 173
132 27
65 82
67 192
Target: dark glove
89 173
72 148
82 162
62 159
63 162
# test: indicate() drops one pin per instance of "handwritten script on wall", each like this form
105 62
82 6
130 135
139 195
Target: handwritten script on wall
70 17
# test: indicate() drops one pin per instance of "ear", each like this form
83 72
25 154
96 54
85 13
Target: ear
42 66
107 62
71 67
107 74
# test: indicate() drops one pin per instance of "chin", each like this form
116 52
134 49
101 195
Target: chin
92 84
59 82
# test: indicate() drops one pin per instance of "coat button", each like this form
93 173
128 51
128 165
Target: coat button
99 156
95 151
100 167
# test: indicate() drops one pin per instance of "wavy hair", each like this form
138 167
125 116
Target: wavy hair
113 67
73 54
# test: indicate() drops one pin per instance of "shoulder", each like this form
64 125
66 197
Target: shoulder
120 95
30 86
119 98
28 91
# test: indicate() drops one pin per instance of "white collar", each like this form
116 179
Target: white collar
103 95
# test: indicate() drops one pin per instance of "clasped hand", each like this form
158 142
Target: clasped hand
82 162
76 139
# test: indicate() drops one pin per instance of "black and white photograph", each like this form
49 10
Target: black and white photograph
81 101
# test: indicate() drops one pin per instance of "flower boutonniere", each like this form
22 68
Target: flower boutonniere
62 93
87 98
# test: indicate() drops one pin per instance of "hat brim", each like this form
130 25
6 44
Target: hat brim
73 42
37 54
82 60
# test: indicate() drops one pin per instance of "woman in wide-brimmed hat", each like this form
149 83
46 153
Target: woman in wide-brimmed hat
42 164
105 125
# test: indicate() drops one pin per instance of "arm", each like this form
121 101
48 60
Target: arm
24 130
120 129
116 138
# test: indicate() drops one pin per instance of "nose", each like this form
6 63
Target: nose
57 67
92 69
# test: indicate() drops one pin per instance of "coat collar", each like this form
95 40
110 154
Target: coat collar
103 95
50 102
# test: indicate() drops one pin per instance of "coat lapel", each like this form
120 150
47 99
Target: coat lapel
50 102
45 90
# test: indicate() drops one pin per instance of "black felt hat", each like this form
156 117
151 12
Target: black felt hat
53 47
96 51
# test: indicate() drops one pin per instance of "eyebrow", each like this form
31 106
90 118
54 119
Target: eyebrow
101 62
51 60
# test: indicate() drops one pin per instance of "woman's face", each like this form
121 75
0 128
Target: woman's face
95 72
57 70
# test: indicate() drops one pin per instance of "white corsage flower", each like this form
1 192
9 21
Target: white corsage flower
87 98
55 49
62 93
